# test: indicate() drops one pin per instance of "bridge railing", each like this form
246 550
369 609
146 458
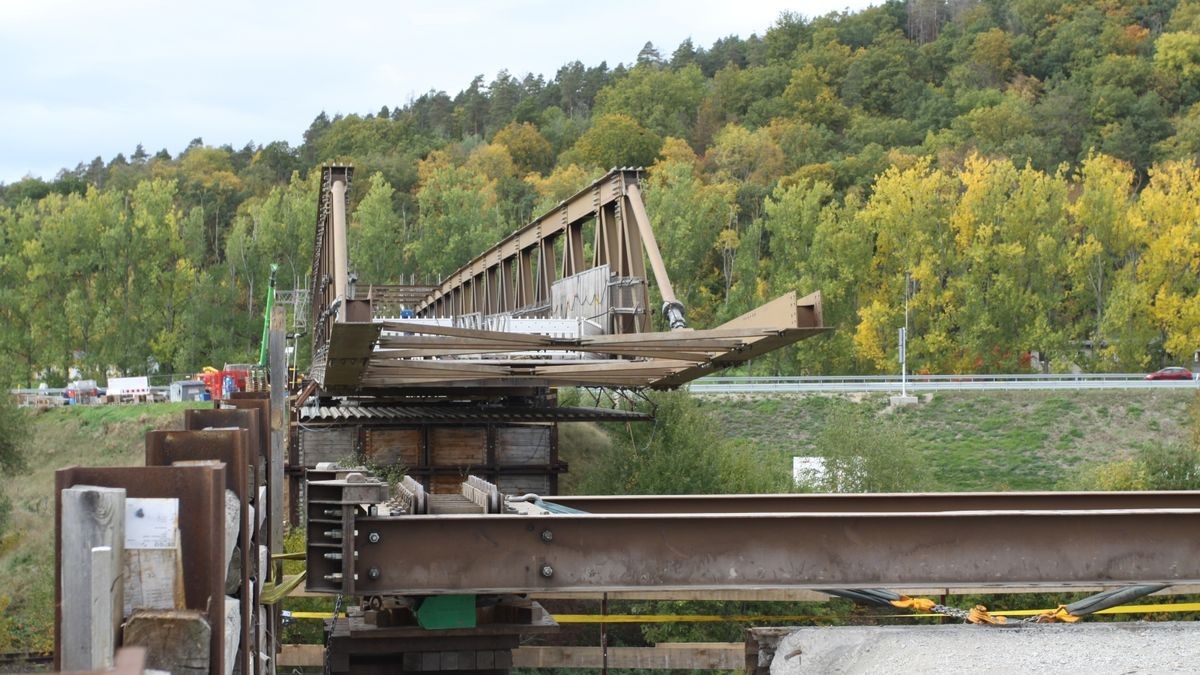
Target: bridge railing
859 383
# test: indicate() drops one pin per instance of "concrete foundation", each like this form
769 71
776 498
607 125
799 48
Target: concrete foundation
1127 647
897 401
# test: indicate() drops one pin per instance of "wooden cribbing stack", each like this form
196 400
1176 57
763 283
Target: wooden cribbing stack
169 549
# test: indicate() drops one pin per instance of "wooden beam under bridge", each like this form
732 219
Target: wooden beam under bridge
664 656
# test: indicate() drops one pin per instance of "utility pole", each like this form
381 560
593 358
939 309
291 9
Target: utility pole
904 338
904 398
280 422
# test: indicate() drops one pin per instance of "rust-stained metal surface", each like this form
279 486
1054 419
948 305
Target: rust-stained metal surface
244 400
197 419
231 446
340 366
907 502
226 445
507 553
332 507
200 490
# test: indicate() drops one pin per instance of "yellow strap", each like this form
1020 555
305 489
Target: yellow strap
1058 615
273 593
314 615
915 604
758 618
681 618
979 614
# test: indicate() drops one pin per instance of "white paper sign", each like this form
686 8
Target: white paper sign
151 523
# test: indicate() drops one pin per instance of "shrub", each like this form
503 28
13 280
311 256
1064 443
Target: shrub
681 452
868 452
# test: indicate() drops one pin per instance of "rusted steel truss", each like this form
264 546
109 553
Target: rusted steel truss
811 541
323 294
516 275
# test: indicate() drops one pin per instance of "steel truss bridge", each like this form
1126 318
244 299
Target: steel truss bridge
532 312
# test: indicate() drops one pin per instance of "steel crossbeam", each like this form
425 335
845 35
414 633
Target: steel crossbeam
809 541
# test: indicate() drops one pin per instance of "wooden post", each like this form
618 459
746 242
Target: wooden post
104 586
93 543
276 344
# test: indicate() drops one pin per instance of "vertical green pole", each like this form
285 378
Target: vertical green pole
262 346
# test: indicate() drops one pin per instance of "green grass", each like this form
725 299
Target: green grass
976 440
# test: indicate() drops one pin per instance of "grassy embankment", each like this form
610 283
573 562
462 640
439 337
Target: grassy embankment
978 441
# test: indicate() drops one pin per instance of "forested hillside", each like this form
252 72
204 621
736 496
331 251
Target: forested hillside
1031 164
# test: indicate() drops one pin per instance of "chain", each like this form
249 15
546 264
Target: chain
337 609
952 611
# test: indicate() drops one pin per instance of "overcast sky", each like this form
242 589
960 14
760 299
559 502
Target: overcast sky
83 78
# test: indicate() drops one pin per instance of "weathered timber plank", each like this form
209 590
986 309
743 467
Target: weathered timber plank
457 446
528 445
92 518
394 446
706 656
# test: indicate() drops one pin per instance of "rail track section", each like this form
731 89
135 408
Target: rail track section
927 383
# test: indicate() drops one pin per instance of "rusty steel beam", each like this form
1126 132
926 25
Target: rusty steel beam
912 502
672 308
619 552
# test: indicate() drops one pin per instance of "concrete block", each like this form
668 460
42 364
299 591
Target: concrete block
176 641
1126 647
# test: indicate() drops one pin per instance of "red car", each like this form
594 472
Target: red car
1171 373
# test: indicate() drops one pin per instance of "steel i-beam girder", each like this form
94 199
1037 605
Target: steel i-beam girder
812 541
